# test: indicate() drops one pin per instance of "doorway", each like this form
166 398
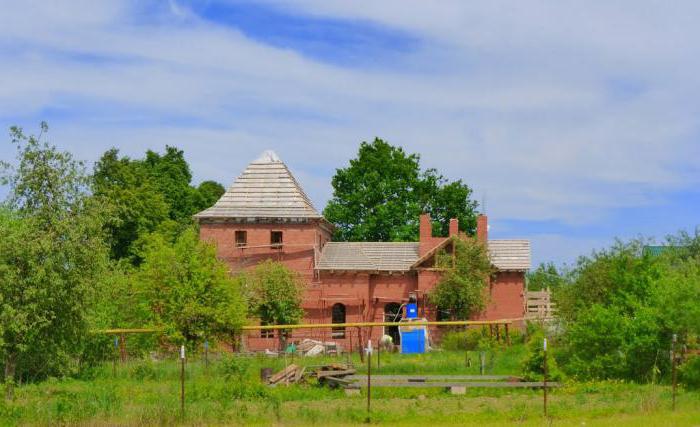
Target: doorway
392 313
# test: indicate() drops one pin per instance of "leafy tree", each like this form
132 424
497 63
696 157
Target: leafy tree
274 294
208 193
52 256
381 195
621 276
461 289
621 306
545 276
185 288
171 174
148 195
139 206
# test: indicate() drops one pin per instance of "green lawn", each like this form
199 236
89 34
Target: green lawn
147 393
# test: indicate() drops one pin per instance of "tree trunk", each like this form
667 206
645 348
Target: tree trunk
10 369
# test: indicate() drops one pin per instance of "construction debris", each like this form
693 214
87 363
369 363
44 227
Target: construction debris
309 347
287 375
332 374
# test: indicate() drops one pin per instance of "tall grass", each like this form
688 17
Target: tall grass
228 391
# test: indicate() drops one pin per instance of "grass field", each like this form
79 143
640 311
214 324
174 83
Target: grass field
229 392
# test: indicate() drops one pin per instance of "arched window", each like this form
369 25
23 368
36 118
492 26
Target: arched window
338 316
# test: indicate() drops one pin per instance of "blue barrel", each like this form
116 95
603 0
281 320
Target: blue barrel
413 341
411 311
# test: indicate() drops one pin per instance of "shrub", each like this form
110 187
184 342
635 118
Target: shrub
144 371
464 340
690 373
236 368
533 365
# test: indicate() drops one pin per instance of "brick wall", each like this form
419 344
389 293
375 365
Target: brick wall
296 252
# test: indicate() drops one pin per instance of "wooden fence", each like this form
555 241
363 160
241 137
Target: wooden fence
539 305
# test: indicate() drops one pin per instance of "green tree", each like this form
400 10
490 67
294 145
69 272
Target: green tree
462 287
621 306
545 276
139 206
274 294
52 256
171 174
208 192
381 195
186 289
148 195
621 276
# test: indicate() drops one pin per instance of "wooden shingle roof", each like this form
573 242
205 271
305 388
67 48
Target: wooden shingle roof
510 255
265 189
368 256
505 255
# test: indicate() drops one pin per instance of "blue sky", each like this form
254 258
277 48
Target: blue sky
577 122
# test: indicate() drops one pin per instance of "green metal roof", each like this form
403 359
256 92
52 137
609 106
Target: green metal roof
656 250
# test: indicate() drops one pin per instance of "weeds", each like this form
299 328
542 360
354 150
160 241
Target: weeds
230 392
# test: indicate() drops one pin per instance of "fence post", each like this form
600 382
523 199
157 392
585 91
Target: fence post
359 344
369 378
673 372
544 383
122 347
206 355
182 381
116 356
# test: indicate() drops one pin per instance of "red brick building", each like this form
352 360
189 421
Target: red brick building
266 214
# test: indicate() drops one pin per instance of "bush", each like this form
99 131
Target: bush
690 373
144 371
236 368
464 340
533 365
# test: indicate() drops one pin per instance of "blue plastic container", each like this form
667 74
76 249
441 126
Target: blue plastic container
413 341
411 311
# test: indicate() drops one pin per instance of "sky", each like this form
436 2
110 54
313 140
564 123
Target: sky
575 122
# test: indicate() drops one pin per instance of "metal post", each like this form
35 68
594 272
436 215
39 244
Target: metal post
182 381
369 378
122 347
359 344
116 356
206 355
673 372
482 359
544 345
379 352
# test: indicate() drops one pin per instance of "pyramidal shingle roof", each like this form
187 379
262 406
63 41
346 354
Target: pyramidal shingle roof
265 189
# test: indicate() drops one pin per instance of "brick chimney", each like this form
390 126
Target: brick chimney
482 228
425 234
454 227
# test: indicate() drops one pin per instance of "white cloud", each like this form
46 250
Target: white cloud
558 111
